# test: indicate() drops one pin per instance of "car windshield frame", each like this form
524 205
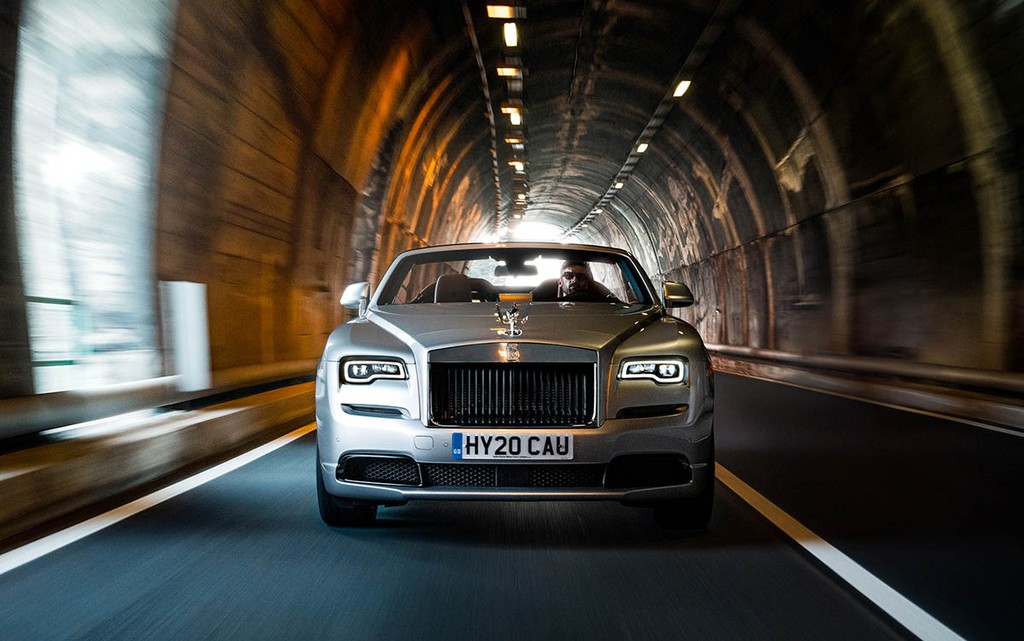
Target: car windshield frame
515 268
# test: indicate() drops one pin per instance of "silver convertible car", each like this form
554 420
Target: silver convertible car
515 372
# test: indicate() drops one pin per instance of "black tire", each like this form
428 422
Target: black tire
336 514
691 513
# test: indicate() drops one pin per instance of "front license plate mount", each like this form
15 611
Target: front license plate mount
472 446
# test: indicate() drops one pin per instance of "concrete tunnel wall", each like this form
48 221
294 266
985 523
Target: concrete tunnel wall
844 181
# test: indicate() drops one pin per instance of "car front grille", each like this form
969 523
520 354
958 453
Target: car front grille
512 394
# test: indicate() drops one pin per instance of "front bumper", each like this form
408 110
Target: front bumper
604 452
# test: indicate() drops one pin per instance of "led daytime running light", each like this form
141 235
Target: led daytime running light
660 370
366 371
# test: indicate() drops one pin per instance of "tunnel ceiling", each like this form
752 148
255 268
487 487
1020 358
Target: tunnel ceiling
834 174
594 76
743 153
592 80
596 81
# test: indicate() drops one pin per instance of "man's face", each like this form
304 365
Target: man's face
575 280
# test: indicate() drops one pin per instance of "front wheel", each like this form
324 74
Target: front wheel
333 512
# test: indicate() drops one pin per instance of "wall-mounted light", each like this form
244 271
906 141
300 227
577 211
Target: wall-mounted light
506 12
619 185
641 148
509 72
515 118
511 34
515 140
500 11
681 88
518 165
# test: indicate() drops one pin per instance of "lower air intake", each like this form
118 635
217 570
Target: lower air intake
533 476
380 469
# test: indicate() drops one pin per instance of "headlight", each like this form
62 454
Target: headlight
369 370
321 371
659 370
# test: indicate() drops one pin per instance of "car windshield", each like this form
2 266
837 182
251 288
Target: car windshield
493 274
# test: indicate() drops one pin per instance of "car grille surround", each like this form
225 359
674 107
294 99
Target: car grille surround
529 395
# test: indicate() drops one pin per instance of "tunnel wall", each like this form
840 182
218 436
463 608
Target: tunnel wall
275 112
15 357
861 192
305 144
238 167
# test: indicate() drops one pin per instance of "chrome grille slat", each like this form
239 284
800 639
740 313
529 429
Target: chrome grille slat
512 394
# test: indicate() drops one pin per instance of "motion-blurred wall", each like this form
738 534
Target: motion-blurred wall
15 359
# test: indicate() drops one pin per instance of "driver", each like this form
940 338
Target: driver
577 283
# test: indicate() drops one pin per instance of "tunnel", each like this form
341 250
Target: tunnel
839 184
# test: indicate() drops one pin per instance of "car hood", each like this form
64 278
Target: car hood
585 325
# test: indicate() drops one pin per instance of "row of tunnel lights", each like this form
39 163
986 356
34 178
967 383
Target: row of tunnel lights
513 71
638 150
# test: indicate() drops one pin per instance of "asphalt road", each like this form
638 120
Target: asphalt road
932 507
246 557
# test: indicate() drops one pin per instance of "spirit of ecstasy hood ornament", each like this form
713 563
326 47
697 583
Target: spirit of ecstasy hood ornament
511 317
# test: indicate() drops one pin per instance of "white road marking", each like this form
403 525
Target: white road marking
41 547
909 615
892 405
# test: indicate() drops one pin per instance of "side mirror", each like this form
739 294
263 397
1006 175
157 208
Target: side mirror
676 294
356 296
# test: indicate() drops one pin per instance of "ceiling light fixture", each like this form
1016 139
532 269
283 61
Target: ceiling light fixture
500 11
515 118
511 34
509 72
710 34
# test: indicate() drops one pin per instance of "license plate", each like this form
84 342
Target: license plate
540 447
